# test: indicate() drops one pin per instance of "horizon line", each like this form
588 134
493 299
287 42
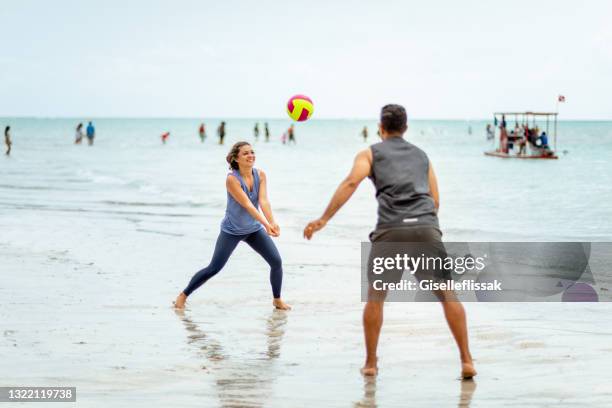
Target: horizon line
262 118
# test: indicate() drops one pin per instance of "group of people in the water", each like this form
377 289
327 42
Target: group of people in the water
287 137
517 139
408 202
90 133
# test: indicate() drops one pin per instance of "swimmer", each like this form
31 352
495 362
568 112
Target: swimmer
78 137
164 137
291 134
267 131
202 132
7 140
364 133
221 132
91 133
256 131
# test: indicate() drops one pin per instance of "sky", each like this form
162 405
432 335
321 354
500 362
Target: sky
440 59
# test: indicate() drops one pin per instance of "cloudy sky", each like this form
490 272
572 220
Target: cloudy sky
441 59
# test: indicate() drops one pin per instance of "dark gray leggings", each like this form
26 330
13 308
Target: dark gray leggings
226 243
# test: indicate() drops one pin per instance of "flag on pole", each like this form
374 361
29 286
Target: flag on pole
561 98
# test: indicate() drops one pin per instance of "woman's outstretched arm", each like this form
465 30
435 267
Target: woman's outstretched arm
264 202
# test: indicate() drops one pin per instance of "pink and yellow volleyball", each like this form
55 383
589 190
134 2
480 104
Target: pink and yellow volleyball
300 108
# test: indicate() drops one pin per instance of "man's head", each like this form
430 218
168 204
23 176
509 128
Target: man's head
392 121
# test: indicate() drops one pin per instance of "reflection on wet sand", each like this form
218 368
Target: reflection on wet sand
369 393
244 383
467 391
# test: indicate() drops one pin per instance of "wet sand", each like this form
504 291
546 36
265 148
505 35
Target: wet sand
101 320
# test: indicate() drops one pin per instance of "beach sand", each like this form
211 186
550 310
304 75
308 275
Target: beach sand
104 324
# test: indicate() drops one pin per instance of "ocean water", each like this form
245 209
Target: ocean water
96 242
128 174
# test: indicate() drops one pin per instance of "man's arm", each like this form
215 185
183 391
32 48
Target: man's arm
361 169
433 187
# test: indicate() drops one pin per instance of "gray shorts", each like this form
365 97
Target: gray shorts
415 242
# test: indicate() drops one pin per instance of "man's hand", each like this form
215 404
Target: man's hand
313 227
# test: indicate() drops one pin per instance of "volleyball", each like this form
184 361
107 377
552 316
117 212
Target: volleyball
300 108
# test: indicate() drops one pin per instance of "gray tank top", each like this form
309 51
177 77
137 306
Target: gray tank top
400 173
237 219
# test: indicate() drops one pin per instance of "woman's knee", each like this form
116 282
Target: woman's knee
276 261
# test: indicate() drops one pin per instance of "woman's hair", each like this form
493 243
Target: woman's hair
7 129
233 154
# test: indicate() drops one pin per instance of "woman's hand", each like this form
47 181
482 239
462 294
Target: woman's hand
270 230
313 227
275 228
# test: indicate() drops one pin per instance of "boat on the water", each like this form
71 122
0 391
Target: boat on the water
523 139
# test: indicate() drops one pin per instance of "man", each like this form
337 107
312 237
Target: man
202 132
256 131
408 201
221 132
364 133
91 133
267 131
291 134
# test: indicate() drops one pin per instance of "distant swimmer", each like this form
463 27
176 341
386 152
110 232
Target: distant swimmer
408 202
267 132
91 133
470 130
202 132
256 131
490 132
78 137
164 137
7 140
364 133
284 138
291 134
247 190
221 132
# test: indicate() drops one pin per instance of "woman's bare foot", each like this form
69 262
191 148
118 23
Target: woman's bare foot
468 371
179 303
279 304
370 368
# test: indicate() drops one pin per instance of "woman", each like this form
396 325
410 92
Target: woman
7 140
246 191
78 137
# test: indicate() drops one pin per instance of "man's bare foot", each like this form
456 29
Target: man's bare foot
179 303
369 371
370 368
279 304
468 371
